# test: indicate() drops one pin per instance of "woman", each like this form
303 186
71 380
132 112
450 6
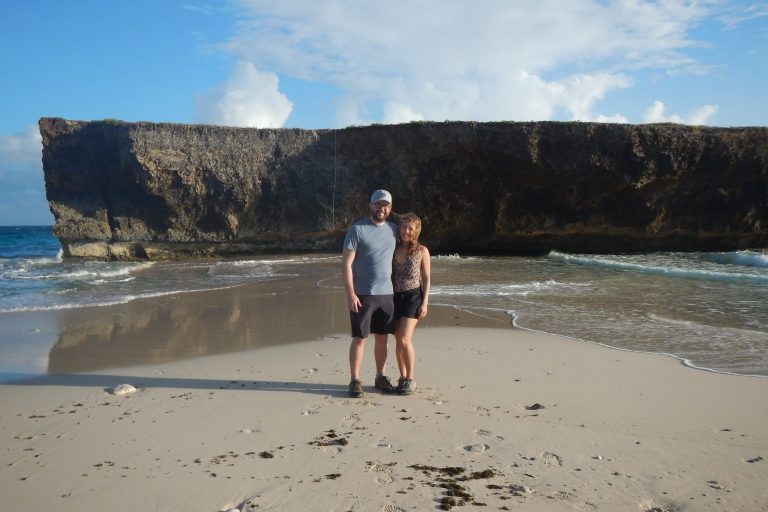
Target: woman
411 281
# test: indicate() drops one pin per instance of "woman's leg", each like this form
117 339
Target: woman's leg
406 355
398 350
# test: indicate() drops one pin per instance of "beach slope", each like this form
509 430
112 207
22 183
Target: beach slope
506 419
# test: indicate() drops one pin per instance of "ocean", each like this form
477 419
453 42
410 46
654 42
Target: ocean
708 309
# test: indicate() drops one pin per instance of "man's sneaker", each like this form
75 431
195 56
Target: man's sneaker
383 384
406 387
400 383
355 389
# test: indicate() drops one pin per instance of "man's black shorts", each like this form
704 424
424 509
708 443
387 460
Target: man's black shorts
377 316
407 303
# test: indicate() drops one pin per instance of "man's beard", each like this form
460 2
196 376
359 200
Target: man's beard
380 215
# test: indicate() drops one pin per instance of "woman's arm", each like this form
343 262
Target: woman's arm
426 280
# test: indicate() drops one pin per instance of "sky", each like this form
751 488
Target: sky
336 63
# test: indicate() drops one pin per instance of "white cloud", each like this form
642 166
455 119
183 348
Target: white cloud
615 118
701 115
349 112
744 13
22 199
395 113
656 113
583 91
250 98
449 59
21 150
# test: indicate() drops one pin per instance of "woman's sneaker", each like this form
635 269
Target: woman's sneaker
406 386
355 389
383 384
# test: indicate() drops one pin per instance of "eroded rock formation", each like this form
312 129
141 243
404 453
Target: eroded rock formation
142 190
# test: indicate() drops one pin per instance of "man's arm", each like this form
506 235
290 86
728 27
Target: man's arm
353 302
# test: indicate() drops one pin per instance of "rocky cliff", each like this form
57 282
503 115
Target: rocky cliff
141 190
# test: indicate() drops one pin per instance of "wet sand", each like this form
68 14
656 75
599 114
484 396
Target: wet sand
241 402
185 325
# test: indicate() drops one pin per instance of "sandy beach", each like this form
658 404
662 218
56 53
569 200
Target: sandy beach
502 419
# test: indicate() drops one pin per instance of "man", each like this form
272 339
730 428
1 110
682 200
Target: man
367 268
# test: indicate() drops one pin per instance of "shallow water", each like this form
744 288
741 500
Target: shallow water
710 309
715 315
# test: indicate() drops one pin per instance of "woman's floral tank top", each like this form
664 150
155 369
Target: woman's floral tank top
407 276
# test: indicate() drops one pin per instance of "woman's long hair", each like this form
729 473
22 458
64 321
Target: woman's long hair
412 218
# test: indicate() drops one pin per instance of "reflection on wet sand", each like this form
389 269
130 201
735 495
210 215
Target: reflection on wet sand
196 324
203 323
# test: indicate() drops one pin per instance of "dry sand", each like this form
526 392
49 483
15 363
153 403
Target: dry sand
502 419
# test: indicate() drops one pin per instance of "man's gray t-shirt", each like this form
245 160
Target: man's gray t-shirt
373 246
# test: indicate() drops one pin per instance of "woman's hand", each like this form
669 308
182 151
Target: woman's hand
423 311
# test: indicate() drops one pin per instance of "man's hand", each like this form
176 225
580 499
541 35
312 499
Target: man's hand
354 304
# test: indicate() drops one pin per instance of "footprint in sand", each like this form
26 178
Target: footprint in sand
313 409
521 490
392 508
477 448
383 472
331 450
561 496
486 433
350 421
551 459
658 508
482 411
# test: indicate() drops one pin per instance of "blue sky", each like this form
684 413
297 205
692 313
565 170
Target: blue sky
334 63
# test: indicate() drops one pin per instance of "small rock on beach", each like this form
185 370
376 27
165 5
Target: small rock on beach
123 389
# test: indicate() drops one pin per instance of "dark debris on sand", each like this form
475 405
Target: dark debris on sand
448 478
330 438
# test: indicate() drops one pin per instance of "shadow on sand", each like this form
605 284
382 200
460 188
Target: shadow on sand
108 382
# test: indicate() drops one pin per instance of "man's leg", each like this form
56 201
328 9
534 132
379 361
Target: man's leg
381 324
356 351
380 353
382 382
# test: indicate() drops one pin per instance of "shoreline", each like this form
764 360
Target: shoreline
682 360
646 312
185 325
62 331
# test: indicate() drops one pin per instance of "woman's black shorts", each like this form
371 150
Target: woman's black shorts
407 303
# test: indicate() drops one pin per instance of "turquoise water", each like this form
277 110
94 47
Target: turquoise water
707 309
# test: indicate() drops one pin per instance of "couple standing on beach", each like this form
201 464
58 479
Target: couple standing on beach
387 280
